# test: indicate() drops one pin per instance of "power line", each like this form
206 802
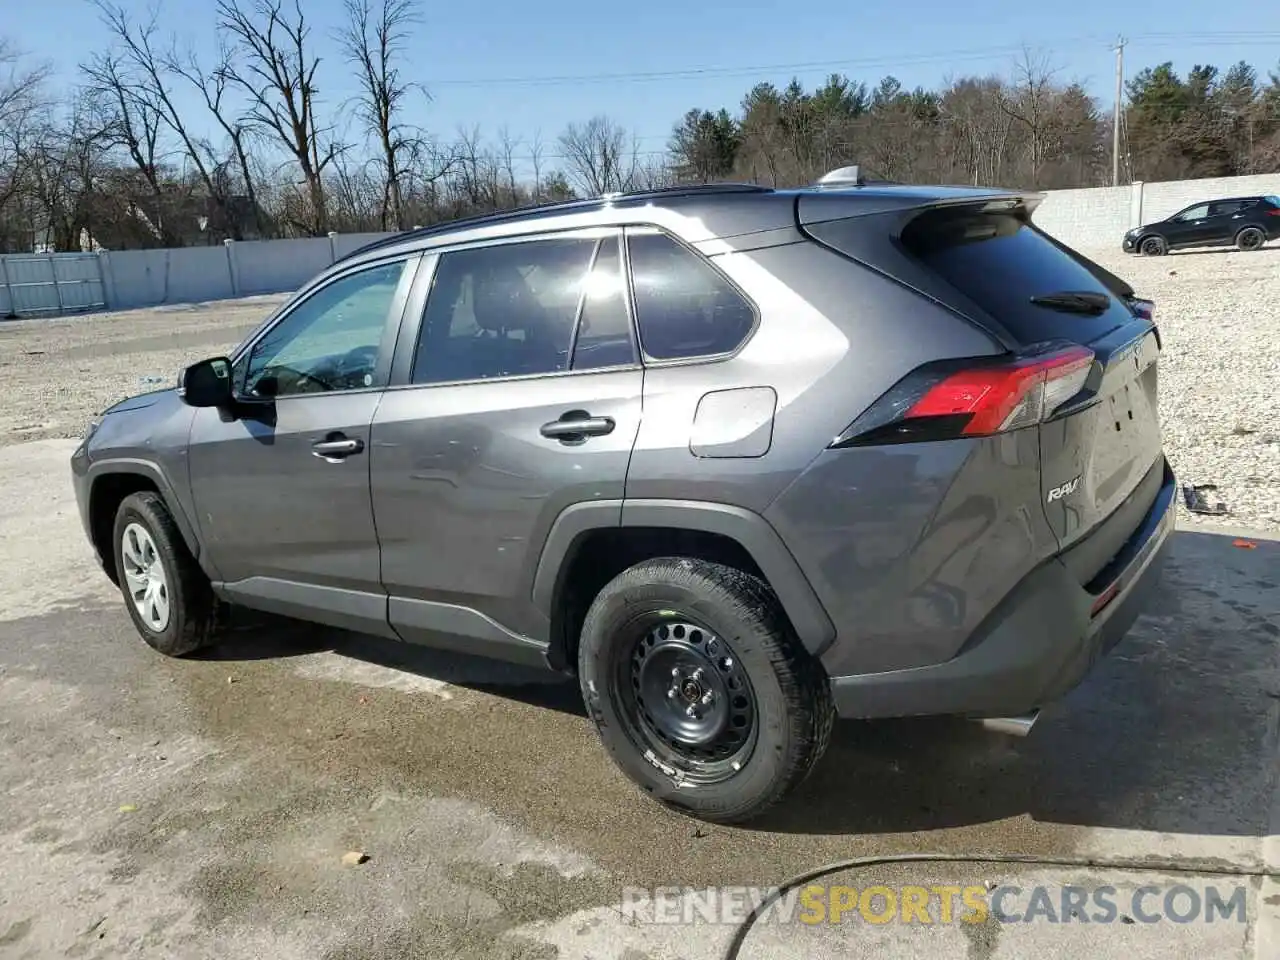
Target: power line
1155 40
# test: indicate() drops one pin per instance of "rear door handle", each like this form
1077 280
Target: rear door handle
576 425
337 448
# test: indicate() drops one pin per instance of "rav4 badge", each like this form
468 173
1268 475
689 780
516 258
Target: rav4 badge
1057 493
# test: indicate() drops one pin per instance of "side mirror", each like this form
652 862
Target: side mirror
207 383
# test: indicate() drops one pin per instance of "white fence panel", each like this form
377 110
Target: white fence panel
34 285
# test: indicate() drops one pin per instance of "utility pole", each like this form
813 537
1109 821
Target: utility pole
1115 126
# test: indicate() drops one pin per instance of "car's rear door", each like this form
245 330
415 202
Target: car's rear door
1100 451
516 392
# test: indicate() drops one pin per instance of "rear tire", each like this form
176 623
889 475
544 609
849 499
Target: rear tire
1250 239
165 592
700 690
1153 246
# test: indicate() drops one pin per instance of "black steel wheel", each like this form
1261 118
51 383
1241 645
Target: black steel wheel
700 690
686 697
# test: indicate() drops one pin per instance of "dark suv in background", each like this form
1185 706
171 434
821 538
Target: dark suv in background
741 459
1244 222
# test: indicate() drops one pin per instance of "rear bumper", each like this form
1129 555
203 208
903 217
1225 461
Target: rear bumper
1036 646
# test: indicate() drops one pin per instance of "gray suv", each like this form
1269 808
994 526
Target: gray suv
741 459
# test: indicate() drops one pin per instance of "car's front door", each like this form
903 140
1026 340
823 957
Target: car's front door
1190 227
281 490
518 396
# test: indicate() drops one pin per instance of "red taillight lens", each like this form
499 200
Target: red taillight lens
1146 309
1273 213
939 402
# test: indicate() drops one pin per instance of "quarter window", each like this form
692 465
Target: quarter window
684 307
503 311
331 341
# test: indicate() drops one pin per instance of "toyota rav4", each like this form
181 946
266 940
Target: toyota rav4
741 459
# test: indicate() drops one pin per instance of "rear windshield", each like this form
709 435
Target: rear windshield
1001 262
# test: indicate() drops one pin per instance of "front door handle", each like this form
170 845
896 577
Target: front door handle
576 425
336 448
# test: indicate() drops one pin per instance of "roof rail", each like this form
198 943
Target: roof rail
534 210
688 189
480 219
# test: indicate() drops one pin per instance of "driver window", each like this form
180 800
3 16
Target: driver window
331 341
1195 213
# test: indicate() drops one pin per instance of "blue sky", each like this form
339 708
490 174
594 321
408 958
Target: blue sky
536 67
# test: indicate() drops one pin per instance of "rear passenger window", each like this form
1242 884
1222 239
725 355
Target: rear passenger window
1225 208
684 307
502 311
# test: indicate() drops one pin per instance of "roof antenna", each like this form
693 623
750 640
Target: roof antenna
850 176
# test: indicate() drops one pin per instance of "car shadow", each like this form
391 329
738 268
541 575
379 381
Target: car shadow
1200 251
257 636
1173 732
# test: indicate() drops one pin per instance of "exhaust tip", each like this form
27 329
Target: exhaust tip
1013 726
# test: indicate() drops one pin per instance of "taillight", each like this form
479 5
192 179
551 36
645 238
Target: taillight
976 398
1146 309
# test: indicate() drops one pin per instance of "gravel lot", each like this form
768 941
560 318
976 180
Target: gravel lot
1219 313
59 373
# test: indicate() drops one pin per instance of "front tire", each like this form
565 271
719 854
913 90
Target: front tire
700 690
166 593
1153 247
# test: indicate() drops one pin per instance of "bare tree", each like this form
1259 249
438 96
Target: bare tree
507 147
21 89
149 68
276 72
130 121
373 41
598 157
61 164
1030 101
213 87
537 150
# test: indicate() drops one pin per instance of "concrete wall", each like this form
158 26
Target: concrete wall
51 284
1099 217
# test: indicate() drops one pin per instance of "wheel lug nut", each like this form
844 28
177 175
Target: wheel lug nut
692 713
708 697
672 693
698 674
675 672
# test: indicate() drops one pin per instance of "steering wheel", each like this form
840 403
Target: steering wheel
296 380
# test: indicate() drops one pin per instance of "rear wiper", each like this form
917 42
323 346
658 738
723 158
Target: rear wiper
1071 301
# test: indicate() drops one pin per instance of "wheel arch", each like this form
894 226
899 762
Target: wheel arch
110 482
640 529
1149 235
